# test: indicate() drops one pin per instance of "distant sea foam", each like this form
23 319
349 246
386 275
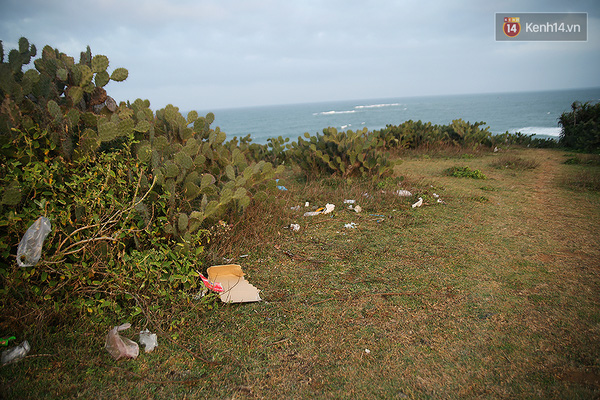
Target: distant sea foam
525 112
537 130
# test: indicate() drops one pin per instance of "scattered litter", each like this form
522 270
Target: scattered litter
295 208
295 227
495 149
323 210
279 186
307 204
377 215
437 196
349 201
403 193
16 353
215 287
441 201
358 209
4 341
311 213
236 289
351 225
367 351
29 251
418 203
120 347
328 208
244 255
148 339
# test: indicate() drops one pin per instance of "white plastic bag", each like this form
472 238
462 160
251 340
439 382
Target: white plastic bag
120 347
16 353
29 251
148 339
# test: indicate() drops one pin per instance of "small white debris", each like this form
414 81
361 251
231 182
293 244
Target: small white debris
295 227
349 201
418 203
367 351
437 196
351 225
358 209
307 204
403 193
328 208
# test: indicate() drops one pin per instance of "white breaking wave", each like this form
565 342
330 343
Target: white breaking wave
538 130
335 112
379 105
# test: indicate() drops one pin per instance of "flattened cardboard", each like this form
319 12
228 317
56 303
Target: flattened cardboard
236 289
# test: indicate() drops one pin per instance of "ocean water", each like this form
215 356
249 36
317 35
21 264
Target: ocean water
526 112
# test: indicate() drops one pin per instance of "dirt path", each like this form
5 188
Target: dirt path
563 216
568 221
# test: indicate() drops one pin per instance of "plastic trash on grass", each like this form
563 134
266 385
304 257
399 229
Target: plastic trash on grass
215 287
148 339
120 347
16 353
418 203
29 251
323 210
403 193
236 289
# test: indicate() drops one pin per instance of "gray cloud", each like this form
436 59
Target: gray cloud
218 54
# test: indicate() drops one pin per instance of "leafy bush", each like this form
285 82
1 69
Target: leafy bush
130 193
464 172
581 127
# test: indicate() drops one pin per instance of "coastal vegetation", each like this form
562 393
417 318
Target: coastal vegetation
141 202
581 127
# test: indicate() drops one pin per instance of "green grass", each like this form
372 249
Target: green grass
469 298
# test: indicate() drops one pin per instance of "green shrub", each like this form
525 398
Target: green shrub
464 172
130 193
581 127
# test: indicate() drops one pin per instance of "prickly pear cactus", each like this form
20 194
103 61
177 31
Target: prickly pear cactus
346 153
56 93
212 177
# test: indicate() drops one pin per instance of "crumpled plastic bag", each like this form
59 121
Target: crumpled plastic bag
29 251
16 353
148 339
120 347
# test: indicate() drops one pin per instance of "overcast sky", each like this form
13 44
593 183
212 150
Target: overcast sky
207 55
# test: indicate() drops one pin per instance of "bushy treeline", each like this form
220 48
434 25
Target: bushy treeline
581 127
132 193
366 153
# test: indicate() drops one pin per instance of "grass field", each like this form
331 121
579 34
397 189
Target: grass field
492 293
